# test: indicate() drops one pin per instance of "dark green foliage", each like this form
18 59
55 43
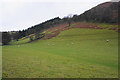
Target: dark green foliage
36 28
103 13
15 35
37 36
75 18
5 38
31 38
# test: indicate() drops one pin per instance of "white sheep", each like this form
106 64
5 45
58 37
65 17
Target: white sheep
72 43
107 40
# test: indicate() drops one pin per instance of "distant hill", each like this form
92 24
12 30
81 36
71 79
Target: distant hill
104 13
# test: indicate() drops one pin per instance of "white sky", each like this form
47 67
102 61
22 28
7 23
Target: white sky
21 14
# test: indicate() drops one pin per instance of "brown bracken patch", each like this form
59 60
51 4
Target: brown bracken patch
54 31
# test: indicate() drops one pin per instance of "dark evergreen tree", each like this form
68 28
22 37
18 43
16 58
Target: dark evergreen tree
5 38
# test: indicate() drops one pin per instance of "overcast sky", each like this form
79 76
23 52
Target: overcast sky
21 14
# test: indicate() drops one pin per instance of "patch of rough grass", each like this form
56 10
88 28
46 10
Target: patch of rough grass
14 42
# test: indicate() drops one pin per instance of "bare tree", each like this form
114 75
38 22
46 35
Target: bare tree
69 19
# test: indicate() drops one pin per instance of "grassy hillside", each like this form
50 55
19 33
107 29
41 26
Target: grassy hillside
73 53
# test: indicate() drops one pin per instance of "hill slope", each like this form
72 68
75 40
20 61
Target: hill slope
78 51
104 13
74 53
56 30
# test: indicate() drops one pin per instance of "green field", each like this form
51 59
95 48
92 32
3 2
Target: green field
74 53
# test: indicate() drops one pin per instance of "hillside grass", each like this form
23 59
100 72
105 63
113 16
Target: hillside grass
14 42
74 53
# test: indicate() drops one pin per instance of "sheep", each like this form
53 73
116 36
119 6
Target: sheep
72 43
107 40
